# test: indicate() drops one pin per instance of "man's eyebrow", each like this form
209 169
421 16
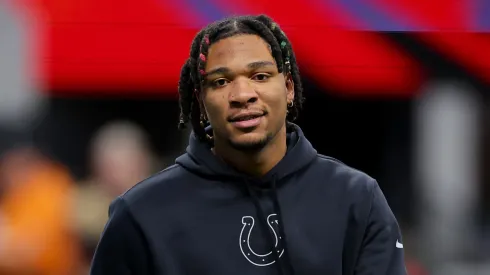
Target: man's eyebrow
253 66
260 64
220 70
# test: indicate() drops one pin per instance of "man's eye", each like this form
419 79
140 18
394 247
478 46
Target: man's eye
261 77
220 82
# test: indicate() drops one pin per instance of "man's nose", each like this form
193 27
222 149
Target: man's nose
243 92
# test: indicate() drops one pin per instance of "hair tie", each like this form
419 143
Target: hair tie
273 26
202 57
283 44
202 72
206 39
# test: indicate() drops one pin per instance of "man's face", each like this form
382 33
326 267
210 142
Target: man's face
244 96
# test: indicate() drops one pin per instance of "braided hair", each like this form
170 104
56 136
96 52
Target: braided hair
192 72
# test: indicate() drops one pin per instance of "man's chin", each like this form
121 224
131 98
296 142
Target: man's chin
250 142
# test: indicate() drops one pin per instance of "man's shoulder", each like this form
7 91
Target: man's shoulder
167 183
337 172
350 185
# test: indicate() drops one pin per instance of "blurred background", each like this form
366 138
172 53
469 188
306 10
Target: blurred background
88 107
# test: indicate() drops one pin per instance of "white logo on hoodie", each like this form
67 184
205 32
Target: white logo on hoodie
247 251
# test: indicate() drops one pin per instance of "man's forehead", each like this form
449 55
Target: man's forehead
243 48
239 43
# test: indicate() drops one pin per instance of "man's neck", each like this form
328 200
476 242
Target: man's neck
255 163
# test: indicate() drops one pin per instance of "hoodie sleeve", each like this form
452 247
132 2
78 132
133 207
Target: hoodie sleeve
382 246
121 248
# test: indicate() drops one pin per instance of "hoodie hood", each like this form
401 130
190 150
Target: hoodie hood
200 159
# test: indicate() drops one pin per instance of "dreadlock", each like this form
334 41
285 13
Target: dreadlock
192 72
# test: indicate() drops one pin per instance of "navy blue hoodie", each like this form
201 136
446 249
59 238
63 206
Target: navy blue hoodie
309 215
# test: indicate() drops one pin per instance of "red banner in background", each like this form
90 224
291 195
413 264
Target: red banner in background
114 47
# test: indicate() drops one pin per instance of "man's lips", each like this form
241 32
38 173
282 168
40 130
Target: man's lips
244 116
247 119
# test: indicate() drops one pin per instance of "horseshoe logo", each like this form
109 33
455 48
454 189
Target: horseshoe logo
247 251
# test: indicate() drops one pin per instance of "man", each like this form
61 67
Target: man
251 195
35 226
119 158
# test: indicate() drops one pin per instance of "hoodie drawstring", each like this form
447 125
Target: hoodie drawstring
270 236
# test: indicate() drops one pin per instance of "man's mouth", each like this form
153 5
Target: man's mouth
247 119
